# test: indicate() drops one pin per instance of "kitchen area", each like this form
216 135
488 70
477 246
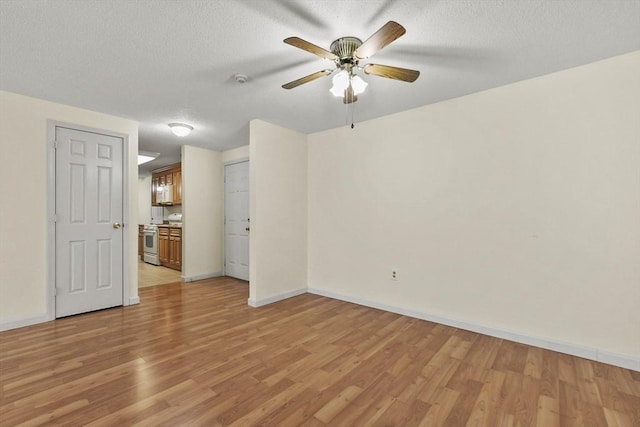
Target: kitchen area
181 216
160 237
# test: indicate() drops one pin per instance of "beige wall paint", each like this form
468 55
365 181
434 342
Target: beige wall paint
23 210
202 191
144 200
240 153
517 208
278 199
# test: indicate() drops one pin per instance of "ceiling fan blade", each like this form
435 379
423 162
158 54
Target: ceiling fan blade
307 79
389 72
310 47
385 35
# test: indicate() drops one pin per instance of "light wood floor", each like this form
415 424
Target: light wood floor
152 275
196 355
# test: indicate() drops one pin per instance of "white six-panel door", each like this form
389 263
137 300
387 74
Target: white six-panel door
88 227
237 223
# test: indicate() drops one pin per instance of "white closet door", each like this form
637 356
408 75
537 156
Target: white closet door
89 234
237 223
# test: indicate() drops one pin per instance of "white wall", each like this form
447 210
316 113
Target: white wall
144 200
278 199
202 196
516 210
23 210
240 153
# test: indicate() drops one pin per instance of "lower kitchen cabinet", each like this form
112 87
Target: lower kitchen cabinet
163 246
175 248
170 247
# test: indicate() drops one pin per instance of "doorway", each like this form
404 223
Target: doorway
154 275
236 220
88 248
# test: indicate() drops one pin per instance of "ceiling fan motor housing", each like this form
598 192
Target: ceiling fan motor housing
343 48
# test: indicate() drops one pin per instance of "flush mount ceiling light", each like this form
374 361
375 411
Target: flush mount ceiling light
180 129
145 157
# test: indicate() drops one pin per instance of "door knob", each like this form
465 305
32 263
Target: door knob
116 225
247 229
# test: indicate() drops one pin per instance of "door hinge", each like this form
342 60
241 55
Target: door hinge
55 218
55 144
55 292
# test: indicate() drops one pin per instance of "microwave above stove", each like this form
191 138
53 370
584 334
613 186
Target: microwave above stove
164 195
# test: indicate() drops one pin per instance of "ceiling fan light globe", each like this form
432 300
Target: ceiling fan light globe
358 85
340 83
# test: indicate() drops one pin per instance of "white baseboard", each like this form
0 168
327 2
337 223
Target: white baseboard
201 276
5 326
134 300
621 360
276 298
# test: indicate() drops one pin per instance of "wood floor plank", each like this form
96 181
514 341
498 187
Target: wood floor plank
442 403
194 354
485 409
368 405
328 412
548 412
463 407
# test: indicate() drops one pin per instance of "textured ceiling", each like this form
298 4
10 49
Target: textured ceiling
162 61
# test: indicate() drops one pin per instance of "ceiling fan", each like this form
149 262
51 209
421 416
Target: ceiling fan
346 53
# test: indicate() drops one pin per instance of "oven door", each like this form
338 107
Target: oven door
151 241
151 247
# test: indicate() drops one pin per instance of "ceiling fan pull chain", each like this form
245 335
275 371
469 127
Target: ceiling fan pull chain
353 107
346 114
349 108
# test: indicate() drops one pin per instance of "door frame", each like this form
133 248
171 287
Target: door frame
224 206
51 211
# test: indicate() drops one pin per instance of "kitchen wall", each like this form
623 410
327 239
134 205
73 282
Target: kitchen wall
144 200
514 211
24 287
168 210
278 206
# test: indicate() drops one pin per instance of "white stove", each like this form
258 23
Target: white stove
150 239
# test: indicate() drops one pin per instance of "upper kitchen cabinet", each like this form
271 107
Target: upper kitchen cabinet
166 185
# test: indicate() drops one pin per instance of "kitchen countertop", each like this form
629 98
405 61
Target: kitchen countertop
170 225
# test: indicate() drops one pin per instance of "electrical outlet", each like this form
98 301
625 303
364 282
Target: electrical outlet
394 274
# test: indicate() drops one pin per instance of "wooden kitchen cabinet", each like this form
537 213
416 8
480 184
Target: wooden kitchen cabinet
168 175
155 182
163 246
177 186
170 247
175 248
